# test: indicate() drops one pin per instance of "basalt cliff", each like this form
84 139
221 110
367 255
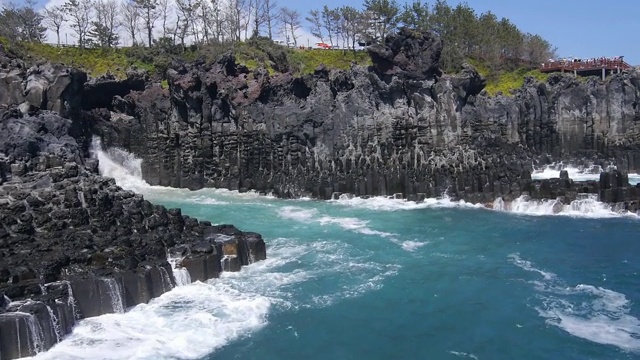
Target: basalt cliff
72 243
400 126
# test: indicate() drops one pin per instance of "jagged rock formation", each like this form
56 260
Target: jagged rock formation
75 245
400 126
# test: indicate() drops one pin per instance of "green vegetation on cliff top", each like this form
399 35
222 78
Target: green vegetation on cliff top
253 54
505 81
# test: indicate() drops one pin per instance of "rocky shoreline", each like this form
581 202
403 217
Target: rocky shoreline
74 245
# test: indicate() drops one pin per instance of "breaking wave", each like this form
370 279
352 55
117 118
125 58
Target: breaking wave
577 173
383 203
586 206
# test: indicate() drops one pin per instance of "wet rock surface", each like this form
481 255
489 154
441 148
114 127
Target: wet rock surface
73 244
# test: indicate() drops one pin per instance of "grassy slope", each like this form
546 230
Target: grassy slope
308 60
505 82
95 62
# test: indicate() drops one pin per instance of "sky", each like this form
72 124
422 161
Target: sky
578 28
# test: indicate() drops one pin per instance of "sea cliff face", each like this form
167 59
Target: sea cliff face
72 243
400 126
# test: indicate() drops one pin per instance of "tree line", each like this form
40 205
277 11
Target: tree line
103 23
465 34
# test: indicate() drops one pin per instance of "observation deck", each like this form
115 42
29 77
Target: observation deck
586 67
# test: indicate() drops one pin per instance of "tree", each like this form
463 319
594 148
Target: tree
259 16
537 50
331 23
22 23
384 16
290 24
187 10
149 12
104 30
79 14
165 8
235 17
415 16
315 21
352 25
102 36
271 16
130 19
54 17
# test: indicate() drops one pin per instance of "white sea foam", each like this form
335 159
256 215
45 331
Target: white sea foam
412 245
464 355
587 206
586 311
187 322
312 215
126 170
192 321
383 203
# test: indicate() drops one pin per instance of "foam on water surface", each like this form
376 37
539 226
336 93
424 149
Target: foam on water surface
593 313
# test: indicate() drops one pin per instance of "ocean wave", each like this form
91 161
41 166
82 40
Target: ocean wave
593 313
187 322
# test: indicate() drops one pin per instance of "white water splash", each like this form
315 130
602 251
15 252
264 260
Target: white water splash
412 245
115 294
55 324
166 282
180 274
593 313
577 173
121 165
585 206
225 262
126 170
193 321
383 203
464 355
35 335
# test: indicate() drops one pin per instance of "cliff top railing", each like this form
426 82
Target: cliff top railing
585 65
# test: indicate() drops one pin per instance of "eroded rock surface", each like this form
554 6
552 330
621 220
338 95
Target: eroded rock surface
73 244
399 127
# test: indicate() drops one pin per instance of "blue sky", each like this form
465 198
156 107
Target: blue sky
584 29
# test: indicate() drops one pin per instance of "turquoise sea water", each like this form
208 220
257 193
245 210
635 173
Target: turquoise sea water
387 279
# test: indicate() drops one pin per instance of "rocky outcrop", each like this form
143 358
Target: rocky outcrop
74 245
400 126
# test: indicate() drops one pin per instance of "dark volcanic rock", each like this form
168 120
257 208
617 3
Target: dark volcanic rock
409 53
75 245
